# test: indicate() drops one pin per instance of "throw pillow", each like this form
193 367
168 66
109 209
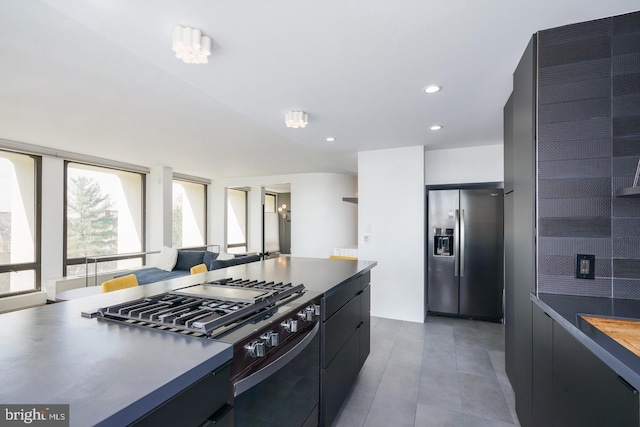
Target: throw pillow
225 256
209 257
167 259
187 259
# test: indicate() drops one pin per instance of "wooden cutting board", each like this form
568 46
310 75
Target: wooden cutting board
625 332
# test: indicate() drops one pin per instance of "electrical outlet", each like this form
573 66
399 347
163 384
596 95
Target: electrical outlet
585 266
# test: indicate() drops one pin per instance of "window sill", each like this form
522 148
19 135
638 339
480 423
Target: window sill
19 302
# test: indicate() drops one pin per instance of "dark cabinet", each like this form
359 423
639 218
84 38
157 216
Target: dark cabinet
520 229
508 145
345 337
203 401
509 302
586 392
572 386
542 360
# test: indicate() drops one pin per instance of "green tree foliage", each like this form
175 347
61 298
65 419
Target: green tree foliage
92 229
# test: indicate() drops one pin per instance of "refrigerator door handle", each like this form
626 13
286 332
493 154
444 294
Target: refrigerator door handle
461 251
456 244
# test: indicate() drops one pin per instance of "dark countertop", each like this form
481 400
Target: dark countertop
566 310
112 374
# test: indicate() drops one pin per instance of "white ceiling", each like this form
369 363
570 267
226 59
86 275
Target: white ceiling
98 77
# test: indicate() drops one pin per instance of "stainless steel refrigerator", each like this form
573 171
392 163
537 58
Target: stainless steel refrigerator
465 253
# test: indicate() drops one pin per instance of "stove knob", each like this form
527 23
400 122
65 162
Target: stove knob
270 338
308 314
316 309
290 325
256 348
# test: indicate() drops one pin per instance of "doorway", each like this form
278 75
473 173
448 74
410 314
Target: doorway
276 221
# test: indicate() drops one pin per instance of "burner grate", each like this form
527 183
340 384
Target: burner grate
202 309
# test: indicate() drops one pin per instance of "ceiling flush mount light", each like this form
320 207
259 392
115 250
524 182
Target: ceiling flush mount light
296 119
435 127
432 89
190 45
331 139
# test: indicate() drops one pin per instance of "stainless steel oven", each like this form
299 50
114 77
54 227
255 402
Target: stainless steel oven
283 389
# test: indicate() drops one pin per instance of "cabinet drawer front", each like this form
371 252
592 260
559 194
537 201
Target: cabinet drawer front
340 296
338 378
339 329
365 327
191 406
337 299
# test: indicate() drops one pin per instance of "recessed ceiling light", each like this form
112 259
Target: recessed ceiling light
435 127
432 89
330 139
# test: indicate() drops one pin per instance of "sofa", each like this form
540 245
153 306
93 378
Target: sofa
177 263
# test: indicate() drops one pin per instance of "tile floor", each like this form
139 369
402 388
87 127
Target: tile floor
444 372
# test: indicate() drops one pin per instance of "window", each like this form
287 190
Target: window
269 202
19 223
270 225
104 218
189 216
236 221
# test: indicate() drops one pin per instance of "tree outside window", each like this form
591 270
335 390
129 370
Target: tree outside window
92 223
104 217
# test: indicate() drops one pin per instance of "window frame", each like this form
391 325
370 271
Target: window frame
35 265
66 262
246 221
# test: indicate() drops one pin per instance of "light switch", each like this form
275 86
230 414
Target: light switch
585 266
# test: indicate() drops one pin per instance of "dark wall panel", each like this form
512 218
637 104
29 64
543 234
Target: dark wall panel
588 147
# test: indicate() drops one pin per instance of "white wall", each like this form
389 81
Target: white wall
464 165
320 219
391 211
159 208
52 217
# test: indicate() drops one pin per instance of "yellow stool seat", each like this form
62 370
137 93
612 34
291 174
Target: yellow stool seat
118 283
348 258
200 268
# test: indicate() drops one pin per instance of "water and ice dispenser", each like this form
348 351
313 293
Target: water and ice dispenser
443 241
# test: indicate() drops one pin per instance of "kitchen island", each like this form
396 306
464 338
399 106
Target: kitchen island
112 374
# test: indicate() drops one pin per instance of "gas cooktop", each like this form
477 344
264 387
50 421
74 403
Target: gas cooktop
205 310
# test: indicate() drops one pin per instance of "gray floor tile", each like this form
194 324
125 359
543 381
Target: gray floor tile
381 346
440 388
407 351
442 357
434 416
400 381
474 421
355 410
439 333
475 361
479 338
458 380
388 411
374 321
414 331
370 375
482 397
387 327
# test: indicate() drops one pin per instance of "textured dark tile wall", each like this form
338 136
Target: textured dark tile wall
588 147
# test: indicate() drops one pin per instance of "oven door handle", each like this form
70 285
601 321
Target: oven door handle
264 373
